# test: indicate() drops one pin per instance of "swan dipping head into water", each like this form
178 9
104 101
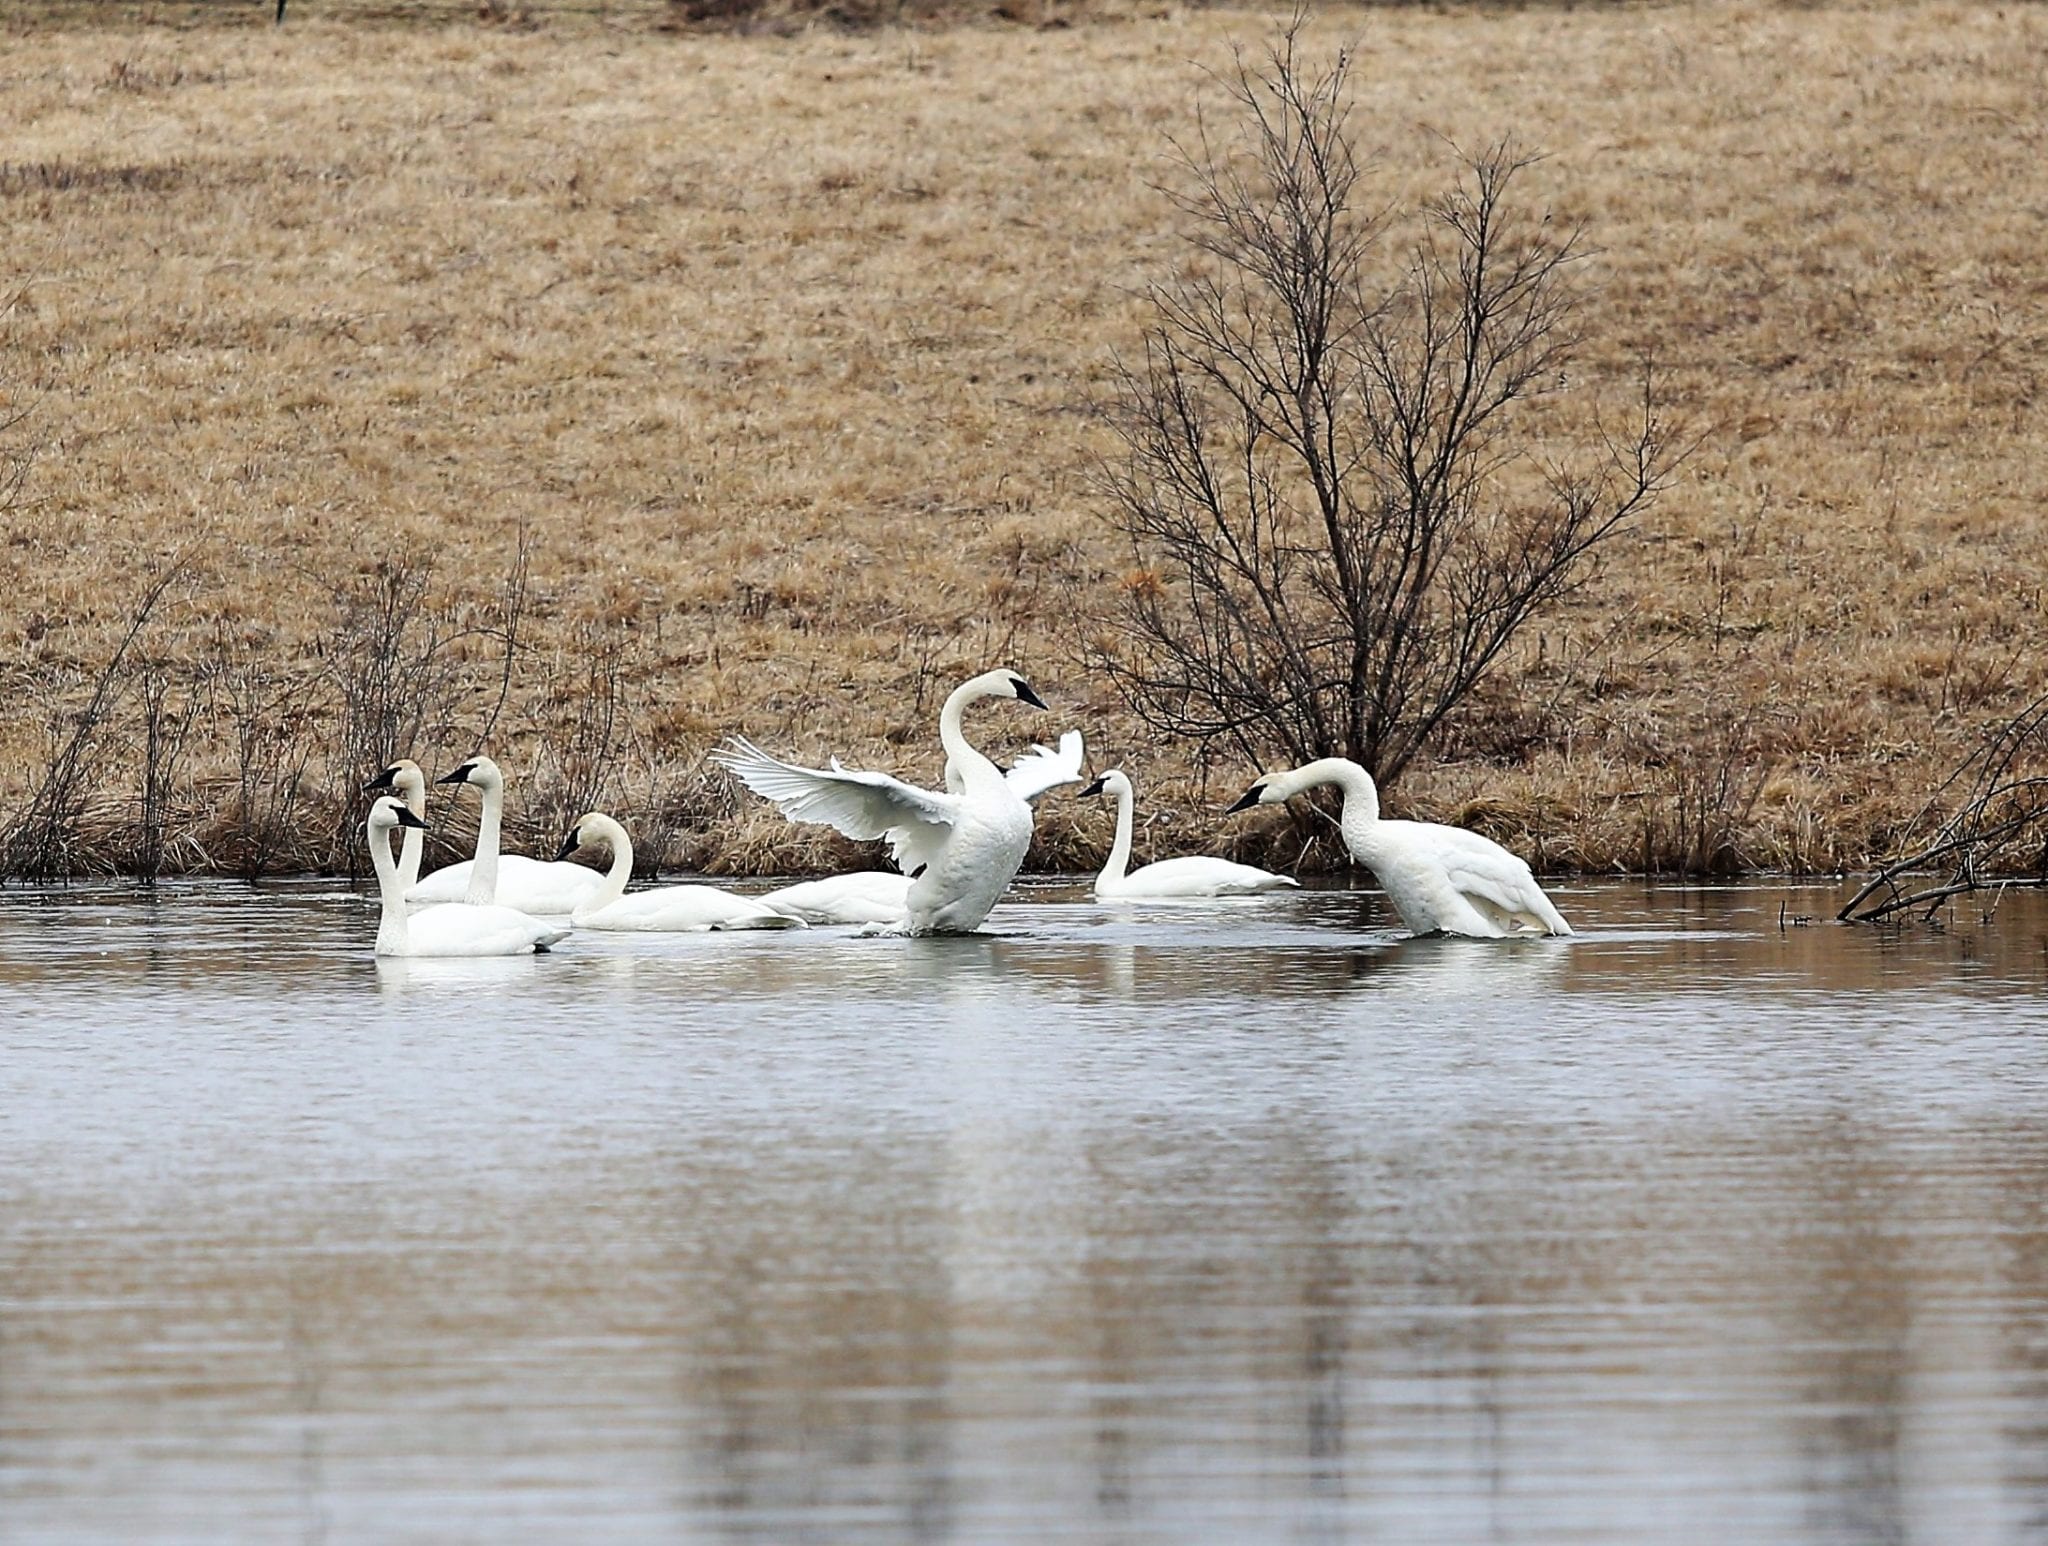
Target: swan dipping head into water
1441 880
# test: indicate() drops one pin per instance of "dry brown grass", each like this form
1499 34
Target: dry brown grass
780 347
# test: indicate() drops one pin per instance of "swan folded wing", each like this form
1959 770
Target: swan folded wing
1043 769
1481 869
855 803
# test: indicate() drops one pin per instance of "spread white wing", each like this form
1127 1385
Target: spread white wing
1042 769
858 804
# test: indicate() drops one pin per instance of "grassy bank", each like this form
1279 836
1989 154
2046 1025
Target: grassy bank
596 389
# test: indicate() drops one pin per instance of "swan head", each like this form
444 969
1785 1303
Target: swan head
403 776
1113 782
480 771
1021 689
1273 789
1279 788
591 829
386 813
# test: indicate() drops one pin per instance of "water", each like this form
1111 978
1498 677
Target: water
1245 1224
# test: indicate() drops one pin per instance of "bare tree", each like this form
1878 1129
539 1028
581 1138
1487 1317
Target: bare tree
1996 832
1335 537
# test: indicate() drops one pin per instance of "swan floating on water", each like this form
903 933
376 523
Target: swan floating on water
453 928
405 779
511 880
1441 880
962 847
865 896
664 909
1195 876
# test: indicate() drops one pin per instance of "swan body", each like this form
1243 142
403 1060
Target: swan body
961 847
510 880
665 909
1196 876
405 779
1441 880
865 896
452 929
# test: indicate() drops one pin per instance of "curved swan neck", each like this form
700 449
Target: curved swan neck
413 846
620 870
391 933
960 756
1120 851
483 874
1361 795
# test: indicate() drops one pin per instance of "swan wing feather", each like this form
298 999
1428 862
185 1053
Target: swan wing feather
855 803
1044 768
1479 868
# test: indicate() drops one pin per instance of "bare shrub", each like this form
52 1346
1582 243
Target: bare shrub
1996 830
168 710
585 737
399 681
261 712
47 838
1711 788
1335 534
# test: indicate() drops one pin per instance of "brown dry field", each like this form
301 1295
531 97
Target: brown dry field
780 348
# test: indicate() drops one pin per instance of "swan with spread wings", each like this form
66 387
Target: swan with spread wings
961 847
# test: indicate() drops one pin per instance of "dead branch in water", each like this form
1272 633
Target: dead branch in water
2001 810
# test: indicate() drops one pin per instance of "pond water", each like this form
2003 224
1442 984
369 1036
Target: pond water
1245 1223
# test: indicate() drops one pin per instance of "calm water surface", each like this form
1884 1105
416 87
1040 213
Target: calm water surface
1243 1224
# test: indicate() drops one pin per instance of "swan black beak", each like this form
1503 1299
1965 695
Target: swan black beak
388 779
569 844
1094 788
459 776
1247 800
1024 692
407 819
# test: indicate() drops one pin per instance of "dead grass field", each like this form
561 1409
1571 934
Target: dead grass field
778 349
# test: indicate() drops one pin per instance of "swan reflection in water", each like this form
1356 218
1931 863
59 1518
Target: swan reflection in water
448 975
1310 944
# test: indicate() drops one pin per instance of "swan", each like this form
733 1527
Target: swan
865 896
665 909
452 929
1441 880
961 848
405 779
511 880
1196 876
883 896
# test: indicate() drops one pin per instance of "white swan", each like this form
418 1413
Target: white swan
665 909
405 779
865 896
452 929
511 880
961 848
1441 880
1195 876
883 896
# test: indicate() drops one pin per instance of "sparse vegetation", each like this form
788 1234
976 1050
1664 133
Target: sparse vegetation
777 348
1993 830
1336 536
